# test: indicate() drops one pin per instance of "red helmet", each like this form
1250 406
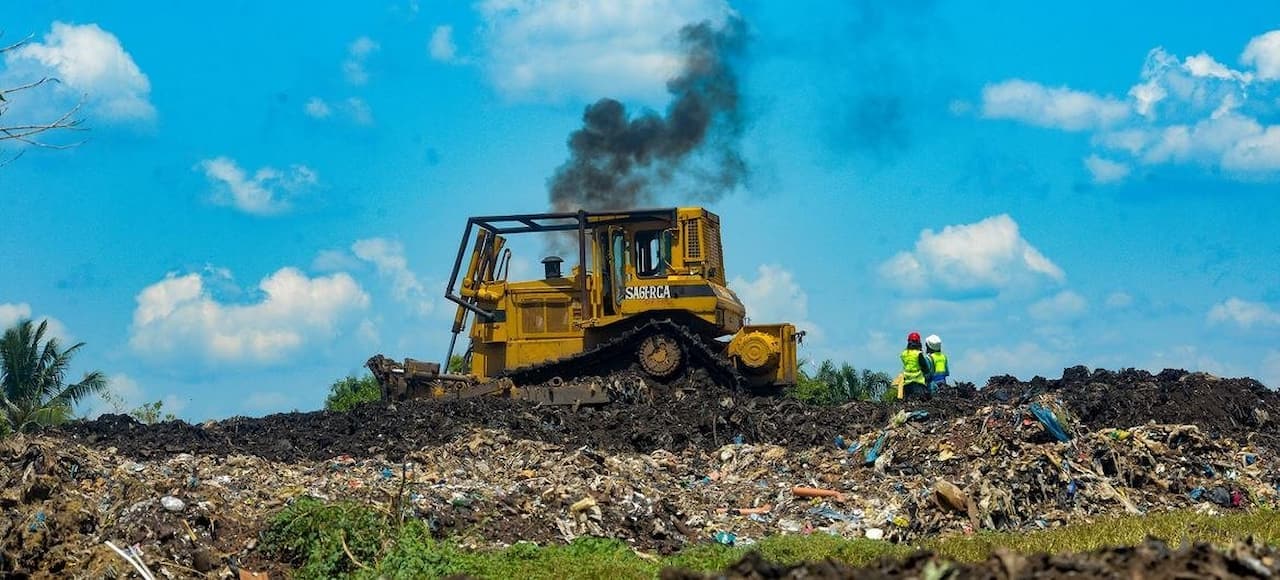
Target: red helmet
913 337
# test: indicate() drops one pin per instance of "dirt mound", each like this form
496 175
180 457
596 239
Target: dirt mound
1152 559
695 416
675 420
1240 408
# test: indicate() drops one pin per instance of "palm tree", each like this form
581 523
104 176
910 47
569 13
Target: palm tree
32 375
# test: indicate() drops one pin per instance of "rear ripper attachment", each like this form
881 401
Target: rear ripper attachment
646 302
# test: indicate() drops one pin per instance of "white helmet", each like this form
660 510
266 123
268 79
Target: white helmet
934 343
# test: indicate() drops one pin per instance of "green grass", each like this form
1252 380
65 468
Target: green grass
310 535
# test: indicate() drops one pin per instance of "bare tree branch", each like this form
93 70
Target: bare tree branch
12 159
16 45
28 133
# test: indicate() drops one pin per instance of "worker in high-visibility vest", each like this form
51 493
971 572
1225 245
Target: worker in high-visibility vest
916 369
938 360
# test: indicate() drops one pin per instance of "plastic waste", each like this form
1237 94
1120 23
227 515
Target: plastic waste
1196 493
836 515
1220 496
789 525
726 538
172 504
873 452
874 533
1050 422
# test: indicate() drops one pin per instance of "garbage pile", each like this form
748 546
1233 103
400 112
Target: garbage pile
696 417
704 466
1151 559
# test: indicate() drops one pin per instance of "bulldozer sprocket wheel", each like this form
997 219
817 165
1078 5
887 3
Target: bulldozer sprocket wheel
660 355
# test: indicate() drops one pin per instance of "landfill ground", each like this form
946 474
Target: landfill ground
691 464
1151 559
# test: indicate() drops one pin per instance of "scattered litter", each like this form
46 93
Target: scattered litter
656 476
172 504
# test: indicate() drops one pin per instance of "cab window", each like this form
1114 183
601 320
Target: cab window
652 253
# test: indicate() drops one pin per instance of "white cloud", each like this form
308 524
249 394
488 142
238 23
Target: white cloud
1195 111
1244 314
979 258
316 108
441 46
552 49
1258 152
1059 108
354 109
1119 300
335 261
358 52
179 318
90 63
388 257
1105 170
11 313
268 192
774 296
1263 54
1065 305
1203 65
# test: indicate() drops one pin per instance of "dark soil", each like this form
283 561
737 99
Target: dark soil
702 417
1239 408
1151 559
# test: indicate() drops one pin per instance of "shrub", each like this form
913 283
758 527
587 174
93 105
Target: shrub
345 394
311 535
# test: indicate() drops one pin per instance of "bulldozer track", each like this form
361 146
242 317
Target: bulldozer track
607 357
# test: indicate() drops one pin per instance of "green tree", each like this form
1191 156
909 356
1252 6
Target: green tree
348 392
457 364
33 372
834 385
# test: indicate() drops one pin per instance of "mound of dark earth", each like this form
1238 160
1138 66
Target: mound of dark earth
695 416
1152 559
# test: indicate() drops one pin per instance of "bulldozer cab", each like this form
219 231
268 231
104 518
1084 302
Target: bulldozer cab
632 253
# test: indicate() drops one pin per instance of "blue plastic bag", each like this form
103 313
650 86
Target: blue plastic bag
1050 422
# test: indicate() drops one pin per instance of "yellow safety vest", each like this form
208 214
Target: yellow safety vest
911 371
939 364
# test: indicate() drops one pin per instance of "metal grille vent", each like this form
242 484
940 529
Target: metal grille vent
692 241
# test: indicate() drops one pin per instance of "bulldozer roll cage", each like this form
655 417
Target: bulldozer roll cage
531 223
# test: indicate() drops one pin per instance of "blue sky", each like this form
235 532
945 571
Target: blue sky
269 193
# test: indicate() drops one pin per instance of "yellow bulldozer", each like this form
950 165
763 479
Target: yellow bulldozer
647 298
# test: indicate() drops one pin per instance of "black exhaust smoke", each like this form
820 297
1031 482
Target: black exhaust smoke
617 162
